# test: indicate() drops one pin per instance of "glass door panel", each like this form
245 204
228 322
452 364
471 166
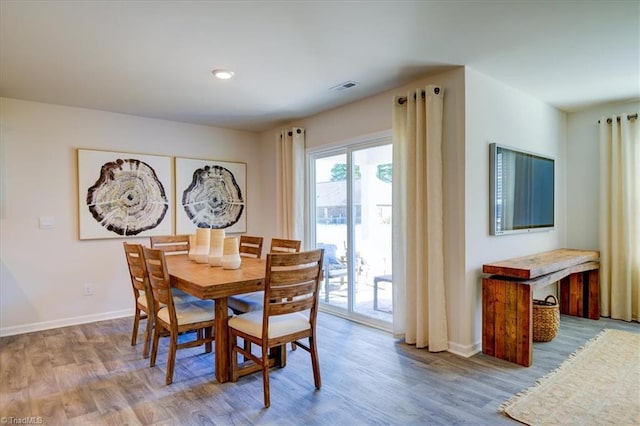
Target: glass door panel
372 237
331 227
352 208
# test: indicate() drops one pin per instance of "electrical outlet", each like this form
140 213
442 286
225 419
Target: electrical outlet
88 289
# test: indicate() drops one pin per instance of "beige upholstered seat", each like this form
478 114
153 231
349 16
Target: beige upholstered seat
172 319
251 323
141 294
188 313
290 309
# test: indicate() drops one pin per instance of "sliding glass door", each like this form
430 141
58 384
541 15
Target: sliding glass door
351 219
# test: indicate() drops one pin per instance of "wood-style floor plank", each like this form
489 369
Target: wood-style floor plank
90 374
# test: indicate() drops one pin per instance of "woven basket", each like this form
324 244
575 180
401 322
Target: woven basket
546 319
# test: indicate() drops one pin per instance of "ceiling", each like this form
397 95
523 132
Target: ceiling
154 59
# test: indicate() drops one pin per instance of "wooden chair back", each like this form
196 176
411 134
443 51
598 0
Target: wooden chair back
143 302
279 245
137 269
291 284
171 244
159 279
251 246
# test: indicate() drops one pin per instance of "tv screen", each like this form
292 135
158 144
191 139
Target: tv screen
522 191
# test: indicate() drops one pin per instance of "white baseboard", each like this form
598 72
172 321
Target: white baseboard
461 350
465 350
47 325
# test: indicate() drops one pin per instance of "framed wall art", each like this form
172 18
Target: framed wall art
210 194
124 194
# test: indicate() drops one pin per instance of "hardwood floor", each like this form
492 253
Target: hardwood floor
89 374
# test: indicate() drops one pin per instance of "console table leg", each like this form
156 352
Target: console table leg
593 280
580 294
507 331
488 316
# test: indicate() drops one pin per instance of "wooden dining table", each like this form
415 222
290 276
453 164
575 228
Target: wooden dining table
216 283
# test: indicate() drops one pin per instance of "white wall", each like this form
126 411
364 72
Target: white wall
583 168
43 270
498 113
373 115
478 110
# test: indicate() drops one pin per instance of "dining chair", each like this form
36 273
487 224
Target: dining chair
248 302
251 246
172 319
142 294
174 245
290 309
334 267
171 244
279 245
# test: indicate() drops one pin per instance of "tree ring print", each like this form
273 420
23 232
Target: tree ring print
213 199
127 198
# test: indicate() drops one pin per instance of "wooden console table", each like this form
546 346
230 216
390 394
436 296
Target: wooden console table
507 297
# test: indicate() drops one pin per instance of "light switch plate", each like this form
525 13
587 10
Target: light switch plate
47 222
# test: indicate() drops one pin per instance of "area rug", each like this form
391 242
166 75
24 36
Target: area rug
599 384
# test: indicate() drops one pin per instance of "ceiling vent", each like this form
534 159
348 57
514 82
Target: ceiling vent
344 86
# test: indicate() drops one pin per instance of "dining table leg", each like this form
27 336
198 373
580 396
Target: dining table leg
222 340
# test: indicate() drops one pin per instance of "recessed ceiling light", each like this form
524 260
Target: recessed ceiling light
223 74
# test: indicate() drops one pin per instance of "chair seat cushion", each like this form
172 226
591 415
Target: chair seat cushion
180 297
338 272
331 260
281 325
189 313
332 266
247 302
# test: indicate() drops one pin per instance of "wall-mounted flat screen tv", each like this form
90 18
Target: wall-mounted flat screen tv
522 191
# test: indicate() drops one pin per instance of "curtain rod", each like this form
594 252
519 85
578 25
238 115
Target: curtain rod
629 117
290 133
403 99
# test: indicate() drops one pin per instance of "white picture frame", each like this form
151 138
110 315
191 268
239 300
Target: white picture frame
124 194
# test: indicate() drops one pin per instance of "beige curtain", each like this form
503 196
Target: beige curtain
290 183
418 261
620 218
